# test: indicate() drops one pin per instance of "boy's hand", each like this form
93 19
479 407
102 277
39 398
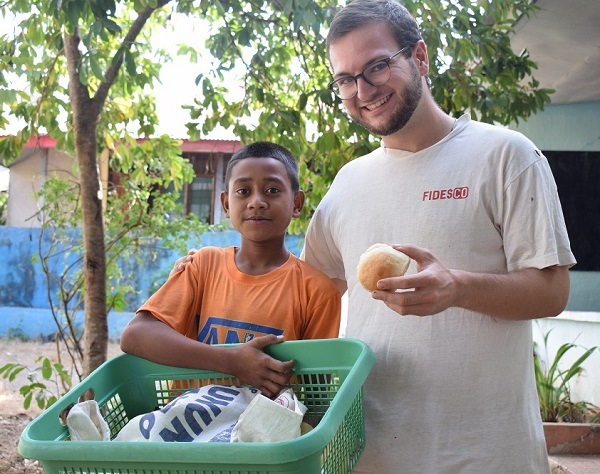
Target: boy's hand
180 263
252 366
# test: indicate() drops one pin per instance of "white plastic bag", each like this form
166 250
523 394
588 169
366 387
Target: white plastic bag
85 422
204 414
269 421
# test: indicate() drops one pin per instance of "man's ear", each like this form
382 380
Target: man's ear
298 203
421 58
225 203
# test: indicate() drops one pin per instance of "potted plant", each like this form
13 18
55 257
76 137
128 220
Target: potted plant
570 427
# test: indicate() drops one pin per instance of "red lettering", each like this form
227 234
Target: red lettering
451 193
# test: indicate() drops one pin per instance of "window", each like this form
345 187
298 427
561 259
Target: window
577 174
200 198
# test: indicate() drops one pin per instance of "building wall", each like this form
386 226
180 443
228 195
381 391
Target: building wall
574 128
27 176
568 127
24 289
561 131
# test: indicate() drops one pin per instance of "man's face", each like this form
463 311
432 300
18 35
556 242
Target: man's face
383 109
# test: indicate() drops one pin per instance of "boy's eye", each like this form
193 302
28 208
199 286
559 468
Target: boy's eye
272 190
242 191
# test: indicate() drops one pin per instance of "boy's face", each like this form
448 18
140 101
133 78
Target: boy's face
260 202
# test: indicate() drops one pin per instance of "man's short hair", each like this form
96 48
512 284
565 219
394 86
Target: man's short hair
355 15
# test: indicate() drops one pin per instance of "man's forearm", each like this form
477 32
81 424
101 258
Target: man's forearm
526 294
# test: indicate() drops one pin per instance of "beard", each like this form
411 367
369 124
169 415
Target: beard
411 95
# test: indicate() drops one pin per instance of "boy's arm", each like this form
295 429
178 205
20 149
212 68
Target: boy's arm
149 338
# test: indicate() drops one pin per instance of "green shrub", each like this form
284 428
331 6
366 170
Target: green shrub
553 388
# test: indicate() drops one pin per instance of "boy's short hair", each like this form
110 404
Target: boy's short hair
266 150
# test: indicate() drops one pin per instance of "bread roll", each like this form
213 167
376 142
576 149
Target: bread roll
380 261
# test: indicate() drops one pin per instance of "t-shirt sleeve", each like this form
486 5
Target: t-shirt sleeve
320 249
534 230
176 300
324 322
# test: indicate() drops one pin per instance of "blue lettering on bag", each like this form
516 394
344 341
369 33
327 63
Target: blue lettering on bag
180 433
146 424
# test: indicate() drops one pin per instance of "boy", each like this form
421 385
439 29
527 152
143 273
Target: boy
256 294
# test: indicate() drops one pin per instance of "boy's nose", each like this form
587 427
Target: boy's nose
257 202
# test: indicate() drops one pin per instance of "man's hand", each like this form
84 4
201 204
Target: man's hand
252 366
525 294
180 263
430 291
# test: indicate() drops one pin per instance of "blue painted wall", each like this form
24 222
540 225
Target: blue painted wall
24 305
25 310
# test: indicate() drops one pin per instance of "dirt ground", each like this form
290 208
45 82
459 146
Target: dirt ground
13 417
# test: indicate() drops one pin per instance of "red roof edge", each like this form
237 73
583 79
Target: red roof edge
188 146
210 146
41 142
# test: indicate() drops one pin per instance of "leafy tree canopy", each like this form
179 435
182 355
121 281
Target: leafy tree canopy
279 45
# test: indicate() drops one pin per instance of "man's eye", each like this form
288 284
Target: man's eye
241 191
345 81
377 67
273 190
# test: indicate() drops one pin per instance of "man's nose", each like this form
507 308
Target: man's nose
364 89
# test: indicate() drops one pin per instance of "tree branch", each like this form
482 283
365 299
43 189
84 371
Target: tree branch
117 61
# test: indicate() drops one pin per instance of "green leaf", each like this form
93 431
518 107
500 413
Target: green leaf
46 369
95 65
16 371
27 401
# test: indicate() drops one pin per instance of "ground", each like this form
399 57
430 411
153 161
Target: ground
13 417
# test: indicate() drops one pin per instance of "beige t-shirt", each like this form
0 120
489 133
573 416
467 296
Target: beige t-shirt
453 392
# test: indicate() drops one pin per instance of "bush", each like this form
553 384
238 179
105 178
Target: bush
553 388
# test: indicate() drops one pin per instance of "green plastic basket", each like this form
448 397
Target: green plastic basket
329 377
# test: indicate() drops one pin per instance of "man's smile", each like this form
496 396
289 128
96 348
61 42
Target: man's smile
379 103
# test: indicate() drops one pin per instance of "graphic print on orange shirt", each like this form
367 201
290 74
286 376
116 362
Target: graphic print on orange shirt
218 330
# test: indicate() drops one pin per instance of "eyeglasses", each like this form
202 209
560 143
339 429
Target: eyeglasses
374 74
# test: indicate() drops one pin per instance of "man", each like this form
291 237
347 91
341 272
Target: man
476 208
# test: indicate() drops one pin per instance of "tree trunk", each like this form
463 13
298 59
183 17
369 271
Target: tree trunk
95 340
86 111
85 117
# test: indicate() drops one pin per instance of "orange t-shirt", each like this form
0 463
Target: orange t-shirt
213 302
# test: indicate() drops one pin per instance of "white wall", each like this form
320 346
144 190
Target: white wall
27 176
582 329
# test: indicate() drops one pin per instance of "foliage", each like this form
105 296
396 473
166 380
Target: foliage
553 385
47 382
3 207
138 214
280 48
89 67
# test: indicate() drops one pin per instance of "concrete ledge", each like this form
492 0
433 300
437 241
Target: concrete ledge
31 323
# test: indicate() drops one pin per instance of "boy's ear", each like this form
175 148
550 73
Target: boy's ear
298 203
225 203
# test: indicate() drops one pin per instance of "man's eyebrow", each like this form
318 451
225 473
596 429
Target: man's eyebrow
368 63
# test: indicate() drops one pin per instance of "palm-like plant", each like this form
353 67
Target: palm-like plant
553 388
